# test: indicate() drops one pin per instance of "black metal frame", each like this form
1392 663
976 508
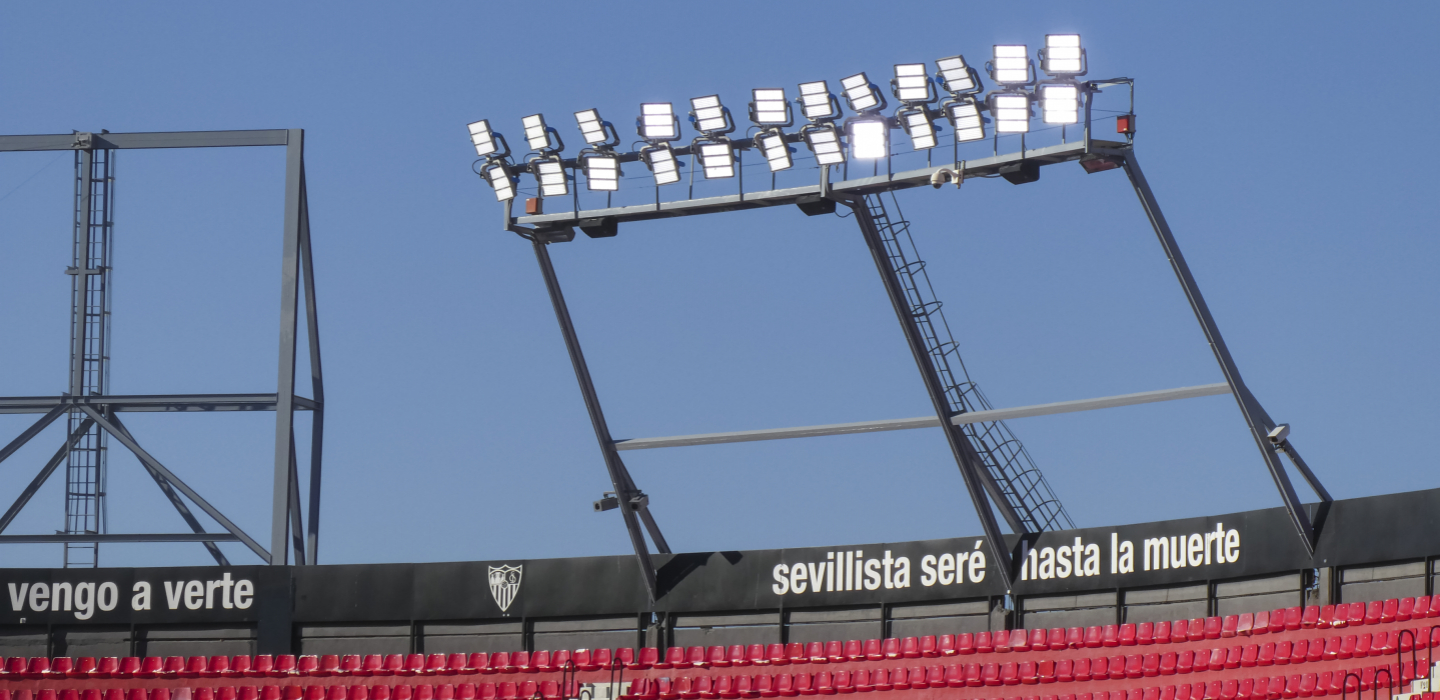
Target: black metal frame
296 262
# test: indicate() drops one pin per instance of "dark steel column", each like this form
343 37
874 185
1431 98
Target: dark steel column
1256 418
965 456
285 386
624 486
317 379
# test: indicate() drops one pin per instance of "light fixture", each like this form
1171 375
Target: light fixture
487 143
768 107
1060 104
772 145
862 96
956 76
662 163
816 102
596 131
869 138
910 84
824 142
1010 65
498 175
916 122
657 122
964 115
1062 55
1011 112
540 136
602 172
549 171
717 158
709 116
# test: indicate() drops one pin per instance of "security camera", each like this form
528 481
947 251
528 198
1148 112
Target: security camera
608 502
1278 435
944 175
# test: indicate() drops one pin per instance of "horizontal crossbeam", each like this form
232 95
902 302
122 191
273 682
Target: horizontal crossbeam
876 426
982 167
164 537
156 139
168 403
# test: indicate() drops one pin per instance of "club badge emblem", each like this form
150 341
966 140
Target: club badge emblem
504 584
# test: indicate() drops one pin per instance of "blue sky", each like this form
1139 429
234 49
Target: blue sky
1287 142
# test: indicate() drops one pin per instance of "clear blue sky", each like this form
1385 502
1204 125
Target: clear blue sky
1288 142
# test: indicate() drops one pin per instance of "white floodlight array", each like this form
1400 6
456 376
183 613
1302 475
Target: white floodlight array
1011 111
911 85
1011 64
662 163
602 172
916 123
956 76
816 102
657 122
869 139
709 116
592 128
769 107
1063 55
965 117
499 178
483 138
717 159
550 172
537 133
824 142
860 94
1060 104
772 145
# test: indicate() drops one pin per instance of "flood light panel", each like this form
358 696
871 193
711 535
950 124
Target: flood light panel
500 181
858 92
768 106
709 115
1063 55
536 133
772 145
602 173
1011 64
717 159
662 163
917 124
955 75
1060 104
551 176
815 101
911 83
1012 113
824 142
657 122
592 129
483 139
965 117
868 139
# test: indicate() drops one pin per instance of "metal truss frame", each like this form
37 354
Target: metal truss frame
296 265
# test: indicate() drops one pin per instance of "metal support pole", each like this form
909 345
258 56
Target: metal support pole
285 385
965 457
1255 416
317 380
624 486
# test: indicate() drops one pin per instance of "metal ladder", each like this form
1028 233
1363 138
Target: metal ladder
1006 459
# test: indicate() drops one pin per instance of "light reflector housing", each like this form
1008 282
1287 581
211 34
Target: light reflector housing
965 117
860 95
550 173
499 178
1063 55
709 116
483 138
824 142
1060 104
662 163
1011 64
717 159
768 107
772 145
1011 112
916 123
592 128
956 76
869 139
537 134
816 103
911 84
602 172
657 122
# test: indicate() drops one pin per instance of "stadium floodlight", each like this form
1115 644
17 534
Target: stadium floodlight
1063 55
768 107
596 131
662 163
549 171
1060 104
910 84
717 158
1010 65
956 76
1011 111
916 123
777 153
861 94
540 136
816 102
824 142
488 144
498 175
964 115
709 116
869 138
657 122
602 172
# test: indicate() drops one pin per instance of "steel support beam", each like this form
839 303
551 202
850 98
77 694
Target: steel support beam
285 384
161 403
31 432
970 464
625 490
157 139
45 472
205 537
176 501
317 380
1256 418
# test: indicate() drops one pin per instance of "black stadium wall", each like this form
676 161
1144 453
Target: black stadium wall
1369 548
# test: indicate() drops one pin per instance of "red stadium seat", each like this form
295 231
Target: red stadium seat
455 664
1111 636
605 659
1424 606
930 647
1056 638
1214 627
844 683
1229 626
1196 631
1099 668
82 668
989 675
1374 612
283 665
150 667
1244 624
965 643
1234 656
1045 671
1009 674
984 643
765 686
1075 637
777 655
1162 632
1283 651
540 662
673 656
307 665
1406 610
627 658
736 655
855 650
890 647
1117 668
1094 637
1293 618
715 656
1027 672
815 653
797 653
1150 665
523 661
1082 670
755 655
1019 640
1039 639
1168 662
1128 635
1277 620
508 691
357 692
744 687
195 667
910 647
1185 661
1065 670
108 666
528 689
785 685
1178 631
1389 610
974 676
1310 617
1355 616
550 690
802 684
696 657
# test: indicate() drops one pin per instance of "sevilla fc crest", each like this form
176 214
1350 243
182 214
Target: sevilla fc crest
504 584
